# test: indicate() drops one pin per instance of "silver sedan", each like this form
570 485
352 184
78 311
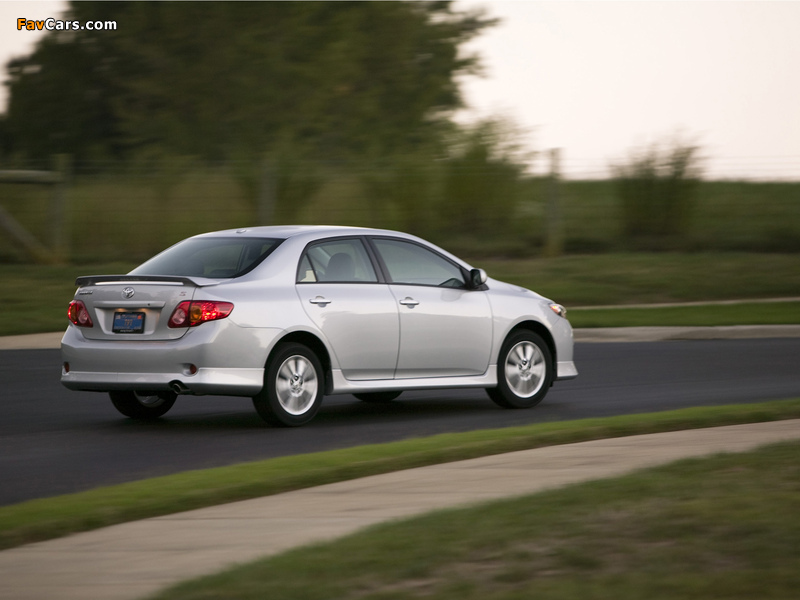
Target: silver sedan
287 315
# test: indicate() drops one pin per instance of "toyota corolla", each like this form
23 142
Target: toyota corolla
288 315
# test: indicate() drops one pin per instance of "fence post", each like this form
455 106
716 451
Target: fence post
266 194
60 209
554 235
35 249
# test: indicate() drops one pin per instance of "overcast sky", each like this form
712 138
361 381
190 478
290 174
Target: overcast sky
597 78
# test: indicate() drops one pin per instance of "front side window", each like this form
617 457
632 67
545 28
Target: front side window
214 257
409 263
336 261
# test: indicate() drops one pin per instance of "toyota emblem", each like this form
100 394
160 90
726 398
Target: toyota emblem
128 292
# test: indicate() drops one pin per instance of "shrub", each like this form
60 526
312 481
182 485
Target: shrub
657 189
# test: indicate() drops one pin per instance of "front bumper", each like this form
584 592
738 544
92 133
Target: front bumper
566 369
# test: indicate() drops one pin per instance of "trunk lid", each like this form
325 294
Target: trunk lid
135 307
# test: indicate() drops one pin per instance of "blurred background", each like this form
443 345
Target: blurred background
495 129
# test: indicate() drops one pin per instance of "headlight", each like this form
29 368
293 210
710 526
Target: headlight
559 310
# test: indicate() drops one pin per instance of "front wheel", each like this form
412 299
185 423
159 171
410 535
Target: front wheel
144 406
524 371
293 387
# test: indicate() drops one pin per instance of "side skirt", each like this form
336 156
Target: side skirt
345 386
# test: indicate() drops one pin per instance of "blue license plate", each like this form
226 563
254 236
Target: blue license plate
128 322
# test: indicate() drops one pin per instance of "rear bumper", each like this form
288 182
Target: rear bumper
224 382
229 361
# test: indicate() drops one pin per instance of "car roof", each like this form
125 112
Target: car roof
304 231
309 233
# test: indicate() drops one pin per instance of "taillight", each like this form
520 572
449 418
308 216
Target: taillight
78 314
193 313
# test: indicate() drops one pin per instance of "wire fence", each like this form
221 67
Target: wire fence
115 211
776 168
725 168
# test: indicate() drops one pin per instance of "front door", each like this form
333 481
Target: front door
445 328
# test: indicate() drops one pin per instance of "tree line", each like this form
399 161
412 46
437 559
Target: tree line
226 80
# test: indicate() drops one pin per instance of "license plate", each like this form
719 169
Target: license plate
128 322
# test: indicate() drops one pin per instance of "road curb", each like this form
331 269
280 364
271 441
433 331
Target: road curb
32 341
688 304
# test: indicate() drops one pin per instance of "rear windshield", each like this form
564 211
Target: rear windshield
216 258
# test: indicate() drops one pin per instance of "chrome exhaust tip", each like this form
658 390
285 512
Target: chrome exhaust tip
179 388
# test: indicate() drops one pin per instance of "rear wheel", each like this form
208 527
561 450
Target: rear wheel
293 387
524 371
142 405
377 397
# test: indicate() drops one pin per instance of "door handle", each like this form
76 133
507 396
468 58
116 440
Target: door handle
319 301
408 301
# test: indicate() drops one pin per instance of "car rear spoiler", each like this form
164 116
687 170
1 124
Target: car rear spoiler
153 279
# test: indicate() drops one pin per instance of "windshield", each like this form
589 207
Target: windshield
213 257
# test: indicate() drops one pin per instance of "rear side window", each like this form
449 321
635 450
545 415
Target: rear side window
216 258
339 261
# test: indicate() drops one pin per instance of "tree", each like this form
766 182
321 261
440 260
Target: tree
59 99
484 177
220 80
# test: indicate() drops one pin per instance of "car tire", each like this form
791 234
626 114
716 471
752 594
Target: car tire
524 371
294 383
378 397
143 406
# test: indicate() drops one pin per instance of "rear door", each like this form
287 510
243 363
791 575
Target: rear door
339 290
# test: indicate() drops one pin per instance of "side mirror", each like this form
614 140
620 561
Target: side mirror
477 277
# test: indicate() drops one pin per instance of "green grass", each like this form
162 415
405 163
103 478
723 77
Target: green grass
53 517
721 527
130 215
773 313
35 297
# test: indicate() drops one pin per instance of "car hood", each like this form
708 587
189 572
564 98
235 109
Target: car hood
513 290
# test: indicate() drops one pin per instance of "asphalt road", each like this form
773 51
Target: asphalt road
53 441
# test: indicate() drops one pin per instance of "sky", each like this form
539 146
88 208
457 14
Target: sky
601 79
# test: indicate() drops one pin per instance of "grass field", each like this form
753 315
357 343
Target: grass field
54 517
778 313
35 297
721 527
